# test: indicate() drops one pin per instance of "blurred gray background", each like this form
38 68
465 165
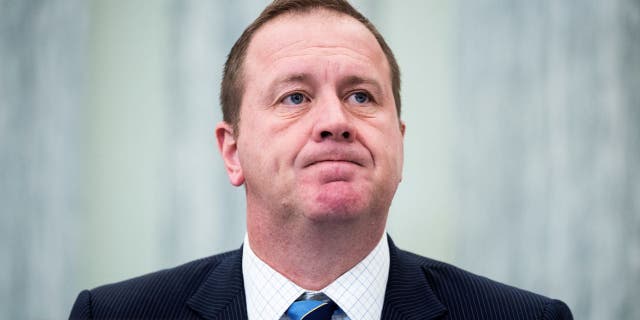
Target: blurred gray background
522 145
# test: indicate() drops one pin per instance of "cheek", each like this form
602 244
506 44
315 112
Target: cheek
391 151
271 150
400 158
252 153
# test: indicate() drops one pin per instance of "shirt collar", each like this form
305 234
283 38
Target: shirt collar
359 292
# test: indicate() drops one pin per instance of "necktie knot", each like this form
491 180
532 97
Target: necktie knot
311 310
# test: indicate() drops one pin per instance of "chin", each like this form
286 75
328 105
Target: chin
337 206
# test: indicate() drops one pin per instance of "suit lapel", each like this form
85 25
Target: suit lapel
221 296
408 294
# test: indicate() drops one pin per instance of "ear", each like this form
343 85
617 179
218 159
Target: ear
228 147
403 128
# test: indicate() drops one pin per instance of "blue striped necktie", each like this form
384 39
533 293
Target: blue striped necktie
312 309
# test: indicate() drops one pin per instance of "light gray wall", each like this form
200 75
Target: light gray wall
522 148
42 91
547 149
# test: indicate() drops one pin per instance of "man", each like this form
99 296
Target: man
312 129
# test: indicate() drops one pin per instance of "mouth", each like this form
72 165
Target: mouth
336 161
335 157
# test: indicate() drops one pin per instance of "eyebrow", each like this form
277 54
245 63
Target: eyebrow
298 77
351 81
280 82
288 79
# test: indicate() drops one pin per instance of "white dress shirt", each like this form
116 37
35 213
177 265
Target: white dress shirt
359 292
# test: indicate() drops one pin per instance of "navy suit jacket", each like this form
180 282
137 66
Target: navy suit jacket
212 288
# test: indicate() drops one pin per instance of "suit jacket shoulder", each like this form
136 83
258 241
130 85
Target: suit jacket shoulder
213 288
181 292
449 292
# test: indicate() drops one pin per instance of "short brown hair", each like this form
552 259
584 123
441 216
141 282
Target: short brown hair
232 88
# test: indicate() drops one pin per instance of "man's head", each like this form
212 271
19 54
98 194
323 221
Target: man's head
320 136
233 88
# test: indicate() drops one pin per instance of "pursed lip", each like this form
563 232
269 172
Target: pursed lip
335 155
333 160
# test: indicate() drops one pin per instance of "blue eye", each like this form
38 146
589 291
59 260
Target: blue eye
360 97
294 99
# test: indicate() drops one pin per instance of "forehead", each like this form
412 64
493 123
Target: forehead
314 33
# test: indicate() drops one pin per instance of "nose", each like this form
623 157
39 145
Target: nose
333 123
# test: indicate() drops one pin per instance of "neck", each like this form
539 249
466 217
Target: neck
313 254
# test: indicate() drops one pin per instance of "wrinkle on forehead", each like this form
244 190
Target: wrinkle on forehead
326 51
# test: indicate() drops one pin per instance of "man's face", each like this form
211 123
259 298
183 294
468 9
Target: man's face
319 136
